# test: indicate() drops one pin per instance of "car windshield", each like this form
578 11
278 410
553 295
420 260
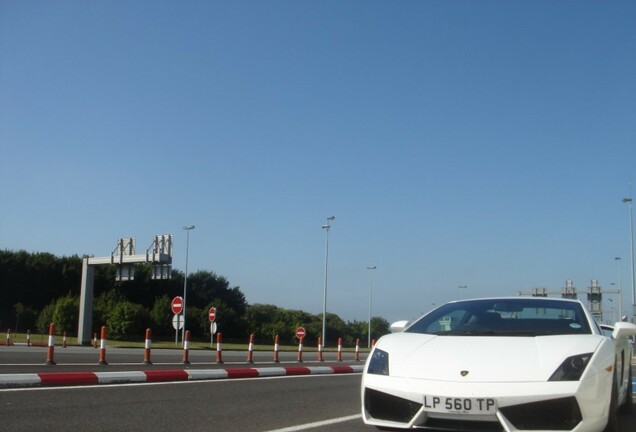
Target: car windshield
504 317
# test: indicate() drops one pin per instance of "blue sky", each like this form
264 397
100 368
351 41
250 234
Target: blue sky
486 144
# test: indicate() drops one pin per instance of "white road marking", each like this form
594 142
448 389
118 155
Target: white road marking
317 424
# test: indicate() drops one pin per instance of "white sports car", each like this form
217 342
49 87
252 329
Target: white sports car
500 364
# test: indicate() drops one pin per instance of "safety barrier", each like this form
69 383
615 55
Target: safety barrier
186 348
276 350
51 348
250 350
219 349
300 350
102 347
320 356
147 347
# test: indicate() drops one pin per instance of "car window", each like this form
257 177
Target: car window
607 331
447 322
508 317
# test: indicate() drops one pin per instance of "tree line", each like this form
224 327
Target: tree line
39 288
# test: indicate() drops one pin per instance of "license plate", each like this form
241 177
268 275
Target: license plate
457 405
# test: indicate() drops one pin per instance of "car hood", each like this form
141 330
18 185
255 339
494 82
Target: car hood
485 358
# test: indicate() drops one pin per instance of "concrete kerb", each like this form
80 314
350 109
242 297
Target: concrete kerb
19 380
47 379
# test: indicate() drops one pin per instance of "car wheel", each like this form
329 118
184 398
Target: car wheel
627 405
612 421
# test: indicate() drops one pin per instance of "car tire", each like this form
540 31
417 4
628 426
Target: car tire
612 421
627 406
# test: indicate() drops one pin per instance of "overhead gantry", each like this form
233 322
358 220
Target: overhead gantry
124 257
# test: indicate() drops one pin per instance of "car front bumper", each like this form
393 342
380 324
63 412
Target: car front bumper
578 406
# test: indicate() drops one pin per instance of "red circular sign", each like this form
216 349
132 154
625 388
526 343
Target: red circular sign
300 333
177 305
212 314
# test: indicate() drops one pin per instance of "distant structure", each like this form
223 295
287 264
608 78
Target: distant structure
594 300
124 257
594 296
569 291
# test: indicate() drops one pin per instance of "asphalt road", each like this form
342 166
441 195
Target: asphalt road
232 405
318 403
284 404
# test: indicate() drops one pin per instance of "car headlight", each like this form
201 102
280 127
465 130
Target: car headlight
572 368
379 363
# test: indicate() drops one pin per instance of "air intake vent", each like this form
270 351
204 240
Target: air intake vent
557 414
383 406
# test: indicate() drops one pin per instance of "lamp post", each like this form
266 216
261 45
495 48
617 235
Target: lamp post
185 280
324 298
462 287
631 249
370 290
620 292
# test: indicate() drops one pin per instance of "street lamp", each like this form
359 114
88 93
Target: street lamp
370 289
462 287
185 280
324 299
631 247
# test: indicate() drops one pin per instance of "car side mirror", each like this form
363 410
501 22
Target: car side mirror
398 326
624 329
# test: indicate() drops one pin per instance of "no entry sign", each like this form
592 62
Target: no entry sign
177 305
300 333
212 314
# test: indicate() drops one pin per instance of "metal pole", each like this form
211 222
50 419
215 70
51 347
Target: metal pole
324 301
620 292
631 248
185 280
176 333
370 302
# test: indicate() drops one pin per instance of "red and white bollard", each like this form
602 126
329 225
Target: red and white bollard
147 347
51 347
28 338
276 350
219 348
186 348
320 356
300 350
64 340
95 340
9 337
102 347
357 349
339 356
250 350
